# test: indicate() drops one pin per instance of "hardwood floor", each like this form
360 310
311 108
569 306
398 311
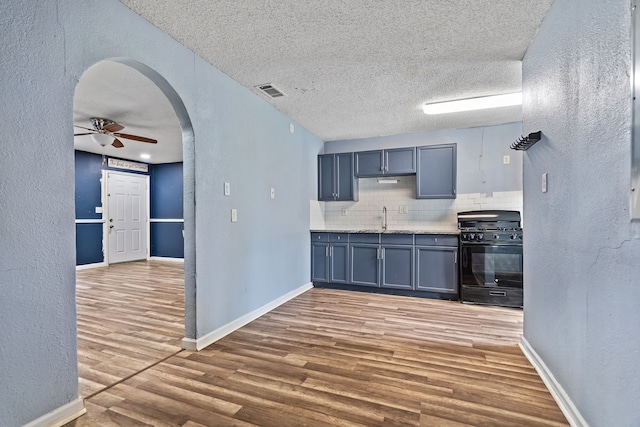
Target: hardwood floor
130 316
339 358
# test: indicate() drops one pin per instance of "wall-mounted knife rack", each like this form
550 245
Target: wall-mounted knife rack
525 142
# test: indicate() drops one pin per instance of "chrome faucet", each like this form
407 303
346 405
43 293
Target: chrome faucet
384 218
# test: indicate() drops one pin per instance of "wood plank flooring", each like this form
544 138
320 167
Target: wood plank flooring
130 316
339 358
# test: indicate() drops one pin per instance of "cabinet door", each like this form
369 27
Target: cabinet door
326 174
345 186
436 172
400 161
437 269
369 163
397 267
365 265
339 263
319 262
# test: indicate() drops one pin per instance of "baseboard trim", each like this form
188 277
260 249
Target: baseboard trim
88 266
164 258
213 336
60 416
561 397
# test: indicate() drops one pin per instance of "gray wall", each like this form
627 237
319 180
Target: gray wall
239 139
480 151
581 259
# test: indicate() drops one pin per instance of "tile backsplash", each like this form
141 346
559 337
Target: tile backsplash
421 214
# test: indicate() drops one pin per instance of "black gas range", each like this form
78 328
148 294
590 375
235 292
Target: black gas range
491 257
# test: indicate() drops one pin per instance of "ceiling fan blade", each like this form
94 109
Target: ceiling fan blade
86 133
113 127
82 127
117 143
135 138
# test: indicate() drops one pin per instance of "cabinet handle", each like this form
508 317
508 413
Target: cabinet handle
386 161
326 252
455 257
330 251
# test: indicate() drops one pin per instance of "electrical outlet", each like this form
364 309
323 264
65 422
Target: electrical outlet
506 160
544 182
227 189
404 209
98 209
273 193
234 215
344 212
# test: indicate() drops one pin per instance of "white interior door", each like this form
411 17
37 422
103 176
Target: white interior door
127 222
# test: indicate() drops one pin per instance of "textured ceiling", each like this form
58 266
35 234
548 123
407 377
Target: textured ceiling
361 68
120 93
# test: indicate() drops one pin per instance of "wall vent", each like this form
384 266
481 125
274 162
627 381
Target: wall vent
270 90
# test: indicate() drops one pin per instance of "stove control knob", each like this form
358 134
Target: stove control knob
480 236
472 236
496 236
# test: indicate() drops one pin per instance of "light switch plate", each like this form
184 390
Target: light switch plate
506 160
273 193
404 209
234 215
544 182
227 189
98 209
344 212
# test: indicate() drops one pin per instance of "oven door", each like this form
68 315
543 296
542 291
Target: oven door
491 265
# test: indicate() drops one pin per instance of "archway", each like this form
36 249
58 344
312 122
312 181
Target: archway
138 121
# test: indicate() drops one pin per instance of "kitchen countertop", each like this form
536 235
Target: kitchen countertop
393 231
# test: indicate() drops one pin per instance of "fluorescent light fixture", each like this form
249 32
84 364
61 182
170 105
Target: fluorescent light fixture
470 104
387 181
145 156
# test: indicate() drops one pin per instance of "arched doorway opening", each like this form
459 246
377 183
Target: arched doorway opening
133 302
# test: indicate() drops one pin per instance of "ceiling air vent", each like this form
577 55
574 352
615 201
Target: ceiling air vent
270 90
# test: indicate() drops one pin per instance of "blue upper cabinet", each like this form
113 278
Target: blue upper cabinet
397 161
436 173
335 177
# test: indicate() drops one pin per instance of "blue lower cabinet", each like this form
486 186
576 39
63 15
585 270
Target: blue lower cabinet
400 262
365 264
339 263
437 269
330 257
319 262
397 267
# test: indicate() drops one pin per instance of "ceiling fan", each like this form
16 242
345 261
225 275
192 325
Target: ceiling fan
106 132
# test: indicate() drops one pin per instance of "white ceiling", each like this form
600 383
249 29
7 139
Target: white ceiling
350 69
120 93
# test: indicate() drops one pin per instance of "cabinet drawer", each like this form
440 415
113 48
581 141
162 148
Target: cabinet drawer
319 237
372 238
339 237
396 239
436 240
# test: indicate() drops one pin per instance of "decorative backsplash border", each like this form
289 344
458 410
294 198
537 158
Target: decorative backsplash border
421 214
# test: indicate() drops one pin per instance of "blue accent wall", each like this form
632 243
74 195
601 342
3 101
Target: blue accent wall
166 202
88 174
166 196
89 244
166 191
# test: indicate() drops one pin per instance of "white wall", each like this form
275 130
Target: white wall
238 138
581 259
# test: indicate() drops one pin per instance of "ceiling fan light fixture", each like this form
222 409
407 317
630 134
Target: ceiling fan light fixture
102 139
145 156
471 104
